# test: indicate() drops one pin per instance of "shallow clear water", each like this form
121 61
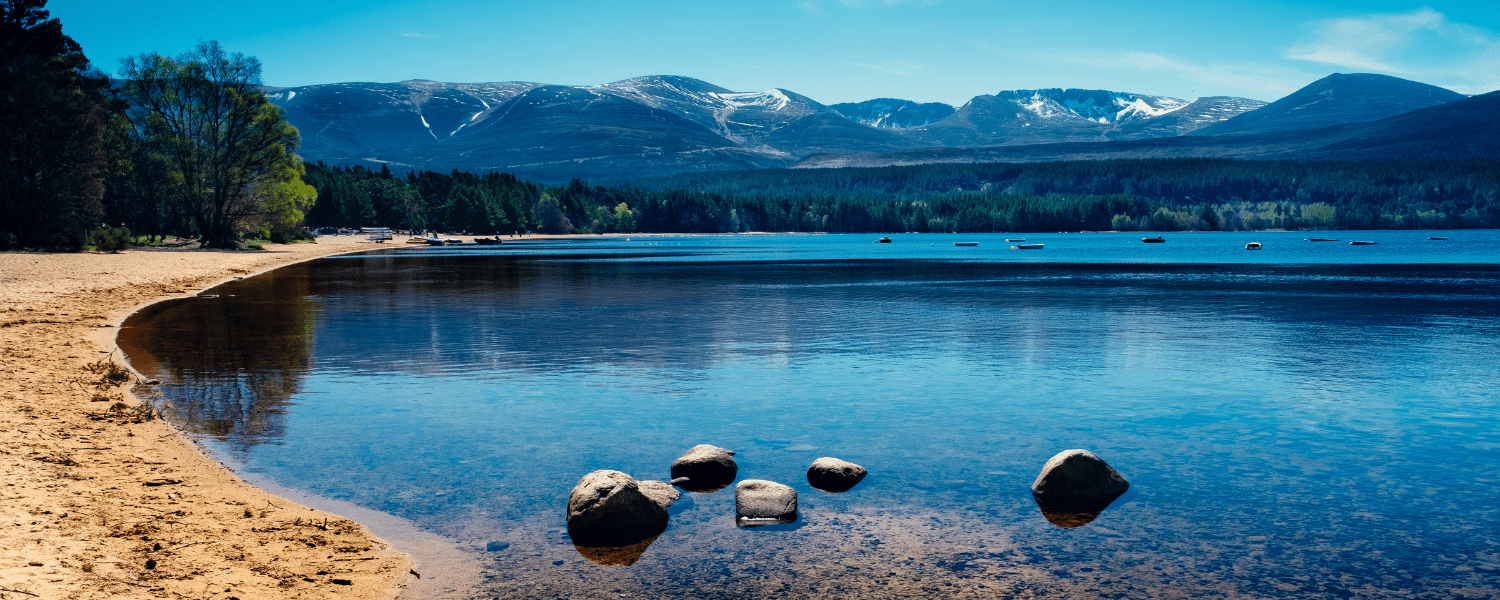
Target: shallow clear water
1309 420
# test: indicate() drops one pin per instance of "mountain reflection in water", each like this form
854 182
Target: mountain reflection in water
1308 430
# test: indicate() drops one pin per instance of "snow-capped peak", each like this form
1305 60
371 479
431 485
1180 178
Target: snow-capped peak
772 99
1099 106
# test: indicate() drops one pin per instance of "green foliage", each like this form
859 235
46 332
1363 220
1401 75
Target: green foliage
480 204
219 149
111 239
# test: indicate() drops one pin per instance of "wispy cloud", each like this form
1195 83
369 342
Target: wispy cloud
894 67
1422 44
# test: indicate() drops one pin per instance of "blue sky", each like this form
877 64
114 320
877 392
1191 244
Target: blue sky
830 50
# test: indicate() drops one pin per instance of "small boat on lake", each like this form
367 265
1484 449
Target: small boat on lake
432 240
453 241
1437 238
885 240
1358 243
487 241
1252 246
1015 240
1156 240
965 243
1027 247
1322 239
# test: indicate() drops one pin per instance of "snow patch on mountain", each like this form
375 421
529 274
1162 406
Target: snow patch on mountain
769 100
1098 106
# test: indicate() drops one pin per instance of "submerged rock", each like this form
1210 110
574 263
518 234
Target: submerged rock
758 500
607 508
833 475
707 468
660 492
1078 481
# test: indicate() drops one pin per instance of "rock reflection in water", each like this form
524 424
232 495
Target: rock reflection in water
759 522
623 556
1068 515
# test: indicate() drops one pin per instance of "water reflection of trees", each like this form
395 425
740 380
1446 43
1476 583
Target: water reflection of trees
228 364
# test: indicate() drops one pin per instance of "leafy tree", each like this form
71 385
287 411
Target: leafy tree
53 117
226 148
548 216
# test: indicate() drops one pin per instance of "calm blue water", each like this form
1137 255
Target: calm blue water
1310 420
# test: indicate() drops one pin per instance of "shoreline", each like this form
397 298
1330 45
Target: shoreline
101 499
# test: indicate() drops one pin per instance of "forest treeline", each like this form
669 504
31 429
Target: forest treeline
1144 195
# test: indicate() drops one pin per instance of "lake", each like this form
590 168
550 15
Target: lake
1310 420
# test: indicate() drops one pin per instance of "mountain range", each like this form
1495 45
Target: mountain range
660 125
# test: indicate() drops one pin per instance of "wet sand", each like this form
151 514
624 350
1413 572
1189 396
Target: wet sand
101 500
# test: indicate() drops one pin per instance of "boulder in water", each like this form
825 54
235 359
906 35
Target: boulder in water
757 501
607 508
1077 479
660 492
707 468
833 475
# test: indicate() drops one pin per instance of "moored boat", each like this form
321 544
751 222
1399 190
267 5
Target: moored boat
1437 238
1015 240
1156 240
1359 243
1026 247
487 241
432 241
1322 239
965 243
1252 246
885 240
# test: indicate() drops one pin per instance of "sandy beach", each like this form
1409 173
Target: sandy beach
102 500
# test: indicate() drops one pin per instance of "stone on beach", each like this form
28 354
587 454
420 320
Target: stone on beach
758 499
608 508
1077 478
834 475
706 468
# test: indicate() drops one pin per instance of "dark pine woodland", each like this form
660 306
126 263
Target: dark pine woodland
1147 195
53 114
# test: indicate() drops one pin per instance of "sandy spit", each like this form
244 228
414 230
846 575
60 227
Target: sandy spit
98 500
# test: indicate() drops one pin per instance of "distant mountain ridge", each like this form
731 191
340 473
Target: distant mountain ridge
1337 98
659 125
1460 130
893 113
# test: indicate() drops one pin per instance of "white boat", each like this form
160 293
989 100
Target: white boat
1015 240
